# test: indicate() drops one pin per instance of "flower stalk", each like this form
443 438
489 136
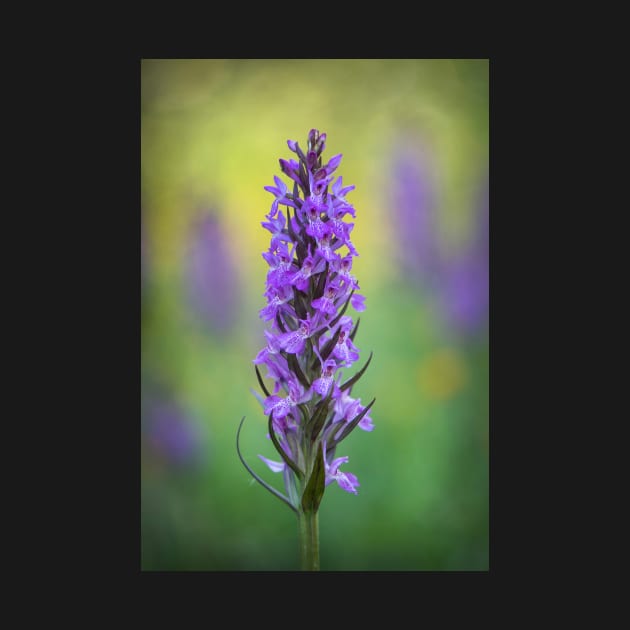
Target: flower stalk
309 540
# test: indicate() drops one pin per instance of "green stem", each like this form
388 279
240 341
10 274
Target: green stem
309 540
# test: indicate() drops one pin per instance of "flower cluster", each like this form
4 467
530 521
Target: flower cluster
210 272
311 338
456 280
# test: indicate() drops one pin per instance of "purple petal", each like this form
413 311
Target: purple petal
333 163
282 187
348 482
358 302
366 423
322 385
274 466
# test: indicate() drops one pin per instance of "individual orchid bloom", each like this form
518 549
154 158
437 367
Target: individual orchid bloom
331 166
326 303
316 227
293 341
279 191
340 228
346 408
272 348
292 169
343 266
280 407
339 196
276 227
281 266
323 384
345 350
347 481
325 247
309 267
278 298
358 302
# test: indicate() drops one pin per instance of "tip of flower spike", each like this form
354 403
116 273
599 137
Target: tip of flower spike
292 144
313 135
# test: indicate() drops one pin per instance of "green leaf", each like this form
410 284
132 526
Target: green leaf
287 460
304 177
280 324
316 485
298 303
292 234
290 484
321 283
321 414
300 152
357 376
327 349
354 330
260 382
264 484
294 365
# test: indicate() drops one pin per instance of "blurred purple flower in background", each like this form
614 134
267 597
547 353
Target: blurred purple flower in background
464 286
456 281
211 281
170 433
413 195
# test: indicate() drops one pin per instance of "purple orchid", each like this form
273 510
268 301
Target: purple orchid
308 290
413 195
210 274
280 193
464 295
347 481
170 433
458 281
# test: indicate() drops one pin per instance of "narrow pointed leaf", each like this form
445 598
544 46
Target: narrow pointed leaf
352 424
354 330
304 178
287 460
304 411
298 303
342 311
290 229
357 376
260 382
294 365
316 485
300 152
328 348
280 324
321 283
289 483
319 417
263 483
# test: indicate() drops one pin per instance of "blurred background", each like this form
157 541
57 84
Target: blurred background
414 138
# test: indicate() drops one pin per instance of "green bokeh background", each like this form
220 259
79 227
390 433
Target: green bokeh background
211 133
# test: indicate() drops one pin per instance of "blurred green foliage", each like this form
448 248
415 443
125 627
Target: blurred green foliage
212 132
